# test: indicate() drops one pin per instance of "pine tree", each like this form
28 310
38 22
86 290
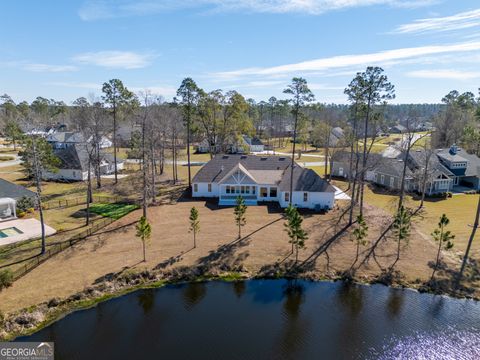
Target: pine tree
444 239
360 234
293 227
239 212
144 231
194 224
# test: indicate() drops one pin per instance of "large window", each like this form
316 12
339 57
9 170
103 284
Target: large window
273 192
263 192
305 196
287 197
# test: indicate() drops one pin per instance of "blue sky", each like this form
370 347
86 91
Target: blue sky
67 49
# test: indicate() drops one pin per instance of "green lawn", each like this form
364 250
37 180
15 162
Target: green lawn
114 211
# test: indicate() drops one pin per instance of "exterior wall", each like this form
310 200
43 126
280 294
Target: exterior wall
66 174
390 181
314 199
474 181
202 190
340 169
257 148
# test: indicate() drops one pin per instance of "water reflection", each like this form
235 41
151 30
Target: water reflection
270 319
395 303
239 288
146 300
351 297
193 293
295 328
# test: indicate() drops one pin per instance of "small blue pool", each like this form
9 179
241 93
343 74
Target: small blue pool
11 231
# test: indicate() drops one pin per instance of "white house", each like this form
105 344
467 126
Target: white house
74 164
64 139
261 179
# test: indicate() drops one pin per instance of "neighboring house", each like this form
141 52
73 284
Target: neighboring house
465 167
447 169
9 194
261 179
254 144
340 164
336 136
125 133
204 147
74 164
398 129
62 140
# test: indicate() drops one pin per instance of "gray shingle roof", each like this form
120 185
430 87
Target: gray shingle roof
14 191
303 179
220 165
73 157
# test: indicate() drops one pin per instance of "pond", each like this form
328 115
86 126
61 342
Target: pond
270 319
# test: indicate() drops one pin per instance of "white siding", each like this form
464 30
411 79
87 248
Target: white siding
202 190
66 174
323 199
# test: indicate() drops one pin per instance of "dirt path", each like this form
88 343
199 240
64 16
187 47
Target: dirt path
264 243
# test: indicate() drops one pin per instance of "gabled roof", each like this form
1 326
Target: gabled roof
66 137
76 157
460 155
304 180
238 167
14 191
252 141
220 165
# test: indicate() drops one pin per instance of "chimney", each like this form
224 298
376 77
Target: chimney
453 149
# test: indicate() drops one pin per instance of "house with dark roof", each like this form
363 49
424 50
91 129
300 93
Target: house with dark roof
74 164
262 179
464 167
64 139
254 143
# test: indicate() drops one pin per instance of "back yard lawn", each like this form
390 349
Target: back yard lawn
114 211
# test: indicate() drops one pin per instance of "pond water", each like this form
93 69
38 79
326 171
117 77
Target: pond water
270 319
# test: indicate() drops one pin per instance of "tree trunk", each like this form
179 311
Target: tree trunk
38 180
115 141
194 239
364 160
188 156
89 192
144 171
470 240
293 153
144 252
438 256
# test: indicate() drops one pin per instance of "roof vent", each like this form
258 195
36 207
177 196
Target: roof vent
281 159
263 158
225 157
243 157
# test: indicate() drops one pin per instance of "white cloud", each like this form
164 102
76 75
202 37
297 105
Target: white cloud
115 59
48 68
96 10
444 74
458 21
352 61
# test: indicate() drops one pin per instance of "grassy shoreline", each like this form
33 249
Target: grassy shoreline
127 283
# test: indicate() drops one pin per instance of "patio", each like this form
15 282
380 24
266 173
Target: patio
22 229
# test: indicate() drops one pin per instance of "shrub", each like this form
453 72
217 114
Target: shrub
30 210
21 214
449 194
25 203
6 279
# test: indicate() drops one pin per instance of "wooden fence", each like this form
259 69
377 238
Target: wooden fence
65 203
31 264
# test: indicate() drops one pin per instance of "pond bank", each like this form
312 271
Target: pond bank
34 318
